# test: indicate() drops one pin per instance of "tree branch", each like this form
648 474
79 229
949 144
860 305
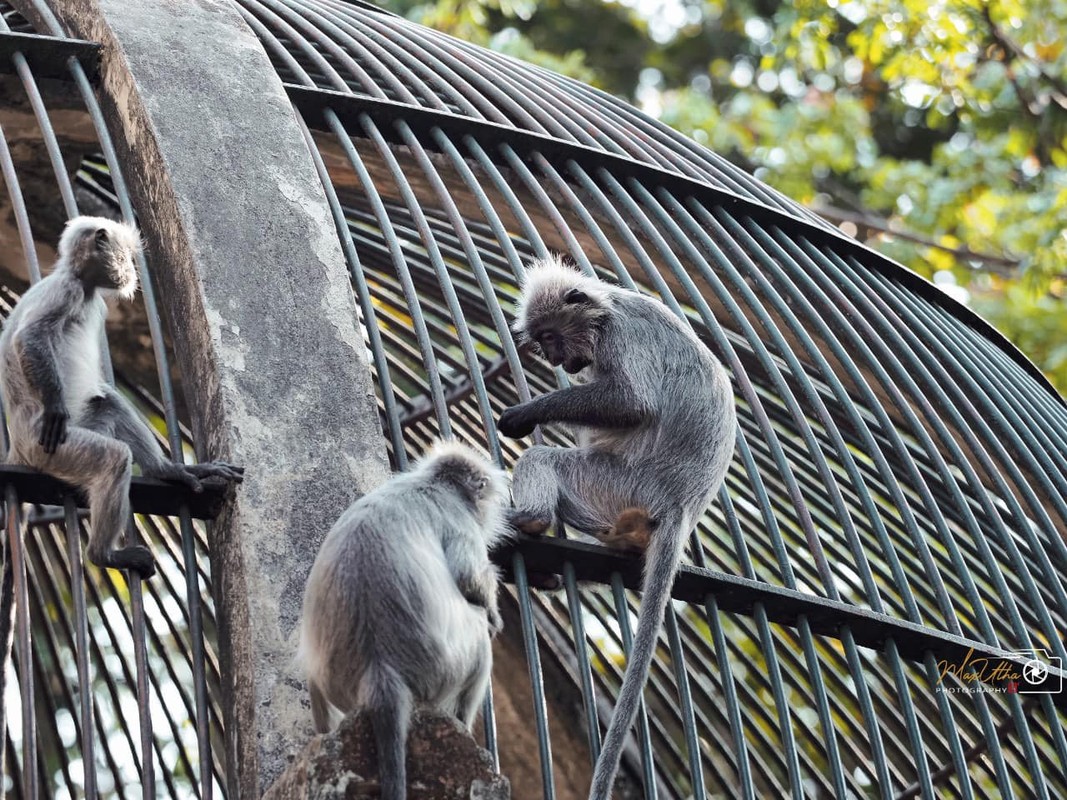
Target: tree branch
1002 265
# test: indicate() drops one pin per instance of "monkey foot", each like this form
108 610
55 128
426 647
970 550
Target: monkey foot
530 524
135 559
632 531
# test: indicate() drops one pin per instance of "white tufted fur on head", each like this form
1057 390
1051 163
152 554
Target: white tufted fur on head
546 283
123 246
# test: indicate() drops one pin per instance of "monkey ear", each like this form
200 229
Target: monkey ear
575 296
101 235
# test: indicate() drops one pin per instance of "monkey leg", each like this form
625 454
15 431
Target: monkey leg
113 416
102 467
580 487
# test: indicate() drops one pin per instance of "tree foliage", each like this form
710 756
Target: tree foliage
936 130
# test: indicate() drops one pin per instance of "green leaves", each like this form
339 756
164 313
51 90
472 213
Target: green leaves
944 120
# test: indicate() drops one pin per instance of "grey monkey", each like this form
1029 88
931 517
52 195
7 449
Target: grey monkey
654 417
62 416
401 602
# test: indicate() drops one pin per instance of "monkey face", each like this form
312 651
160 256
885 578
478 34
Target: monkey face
561 313
567 338
102 253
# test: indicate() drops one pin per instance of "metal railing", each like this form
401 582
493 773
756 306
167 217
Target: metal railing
897 497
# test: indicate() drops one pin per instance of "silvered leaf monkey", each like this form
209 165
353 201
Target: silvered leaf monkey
401 602
654 417
63 417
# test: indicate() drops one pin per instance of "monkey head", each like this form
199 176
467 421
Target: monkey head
561 312
480 484
102 254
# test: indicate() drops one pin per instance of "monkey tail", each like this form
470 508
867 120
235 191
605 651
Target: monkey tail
7 629
388 702
661 562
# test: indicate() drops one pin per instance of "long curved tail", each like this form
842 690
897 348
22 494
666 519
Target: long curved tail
661 562
387 701
7 628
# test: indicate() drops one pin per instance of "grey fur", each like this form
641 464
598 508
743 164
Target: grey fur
654 415
63 418
401 602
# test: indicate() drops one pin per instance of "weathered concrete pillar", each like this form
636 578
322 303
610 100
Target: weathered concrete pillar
252 278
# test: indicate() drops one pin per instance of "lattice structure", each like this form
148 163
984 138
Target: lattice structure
898 497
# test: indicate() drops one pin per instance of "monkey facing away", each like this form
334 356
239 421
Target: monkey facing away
654 416
63 417
401 602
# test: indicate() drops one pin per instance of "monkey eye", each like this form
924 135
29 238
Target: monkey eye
482 483
101 235
575 296
548 338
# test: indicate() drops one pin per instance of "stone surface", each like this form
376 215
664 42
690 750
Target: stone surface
253 282
444 763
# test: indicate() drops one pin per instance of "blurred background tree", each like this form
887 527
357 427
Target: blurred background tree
934 130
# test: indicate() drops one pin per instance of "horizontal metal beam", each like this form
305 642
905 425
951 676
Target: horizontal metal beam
48 56
147 495
783 606
314 102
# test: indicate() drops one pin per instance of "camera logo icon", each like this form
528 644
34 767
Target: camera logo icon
1042 672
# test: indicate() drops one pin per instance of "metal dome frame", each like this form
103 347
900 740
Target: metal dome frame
898 501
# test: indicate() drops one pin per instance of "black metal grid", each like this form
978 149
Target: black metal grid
898 489
897 494
90 645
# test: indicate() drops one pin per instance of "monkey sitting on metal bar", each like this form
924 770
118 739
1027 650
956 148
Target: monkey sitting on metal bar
63 417
654 415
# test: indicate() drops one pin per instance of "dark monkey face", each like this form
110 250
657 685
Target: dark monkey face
566 336
102 253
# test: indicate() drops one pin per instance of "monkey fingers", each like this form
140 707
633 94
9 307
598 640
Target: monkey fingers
53 430
217 469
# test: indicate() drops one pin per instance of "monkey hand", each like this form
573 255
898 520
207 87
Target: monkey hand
514 423
53 427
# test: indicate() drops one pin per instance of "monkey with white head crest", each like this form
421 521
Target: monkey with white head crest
653 413
401 602
63 417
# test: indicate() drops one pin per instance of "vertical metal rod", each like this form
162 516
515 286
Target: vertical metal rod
17 554
581 652
196 639
81 632
144 707
533 663
685 697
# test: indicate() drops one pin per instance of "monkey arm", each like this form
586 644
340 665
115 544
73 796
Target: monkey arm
480 589
601 404
37 357
475 576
